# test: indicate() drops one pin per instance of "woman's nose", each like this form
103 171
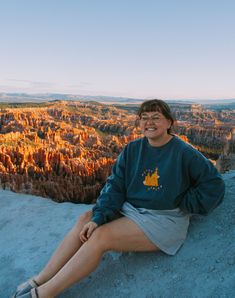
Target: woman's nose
150 120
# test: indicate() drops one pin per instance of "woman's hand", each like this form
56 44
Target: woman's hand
87 230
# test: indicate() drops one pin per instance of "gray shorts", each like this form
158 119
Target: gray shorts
167 229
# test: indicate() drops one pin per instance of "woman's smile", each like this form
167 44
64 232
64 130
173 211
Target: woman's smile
150 128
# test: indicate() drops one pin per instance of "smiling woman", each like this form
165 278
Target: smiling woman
156 184
156 121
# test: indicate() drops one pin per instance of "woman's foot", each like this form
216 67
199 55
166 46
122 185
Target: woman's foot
26 287
32 294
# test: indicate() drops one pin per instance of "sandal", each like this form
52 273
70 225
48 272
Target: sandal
25 287
32 294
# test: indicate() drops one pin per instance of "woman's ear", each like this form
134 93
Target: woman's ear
170 123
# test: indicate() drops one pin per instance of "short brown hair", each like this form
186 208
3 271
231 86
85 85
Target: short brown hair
157 105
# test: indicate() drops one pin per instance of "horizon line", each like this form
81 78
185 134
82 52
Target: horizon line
116 96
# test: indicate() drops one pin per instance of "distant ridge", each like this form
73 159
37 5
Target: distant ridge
42 97
24 97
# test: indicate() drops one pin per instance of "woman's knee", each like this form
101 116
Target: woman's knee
101 238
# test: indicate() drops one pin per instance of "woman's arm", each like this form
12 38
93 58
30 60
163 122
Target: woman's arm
112 195
207 187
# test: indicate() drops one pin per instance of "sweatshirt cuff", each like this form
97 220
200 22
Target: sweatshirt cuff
98 219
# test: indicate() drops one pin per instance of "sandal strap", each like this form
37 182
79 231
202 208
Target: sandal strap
30 282
34 293
33 283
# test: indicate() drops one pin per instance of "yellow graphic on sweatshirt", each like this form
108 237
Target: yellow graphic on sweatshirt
151 179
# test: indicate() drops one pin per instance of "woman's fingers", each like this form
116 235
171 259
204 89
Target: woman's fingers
87 230
83 234
91 228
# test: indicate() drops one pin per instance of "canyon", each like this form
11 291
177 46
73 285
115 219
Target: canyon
65 150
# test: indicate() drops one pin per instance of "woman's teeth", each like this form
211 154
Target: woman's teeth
150 129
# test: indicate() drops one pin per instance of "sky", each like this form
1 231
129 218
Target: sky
169 49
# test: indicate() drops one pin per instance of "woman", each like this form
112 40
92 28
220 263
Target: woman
157 182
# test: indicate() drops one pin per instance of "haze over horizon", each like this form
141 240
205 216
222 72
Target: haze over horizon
16 97
137 49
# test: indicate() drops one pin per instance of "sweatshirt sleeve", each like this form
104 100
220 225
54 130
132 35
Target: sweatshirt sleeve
113 194
206 189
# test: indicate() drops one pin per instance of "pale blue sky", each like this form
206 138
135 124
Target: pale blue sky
130 48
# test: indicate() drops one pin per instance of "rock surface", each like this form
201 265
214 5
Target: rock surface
32 227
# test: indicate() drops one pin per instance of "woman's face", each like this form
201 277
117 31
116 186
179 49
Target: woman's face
154 125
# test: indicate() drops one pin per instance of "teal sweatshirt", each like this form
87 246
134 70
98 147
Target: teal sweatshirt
161 178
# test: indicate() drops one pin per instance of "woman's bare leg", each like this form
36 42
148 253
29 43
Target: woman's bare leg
68 247
119 235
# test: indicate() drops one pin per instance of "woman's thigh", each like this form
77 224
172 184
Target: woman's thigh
124 235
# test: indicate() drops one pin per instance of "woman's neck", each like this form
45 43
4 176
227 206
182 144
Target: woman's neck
160 142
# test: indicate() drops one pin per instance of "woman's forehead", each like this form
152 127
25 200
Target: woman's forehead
152 113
